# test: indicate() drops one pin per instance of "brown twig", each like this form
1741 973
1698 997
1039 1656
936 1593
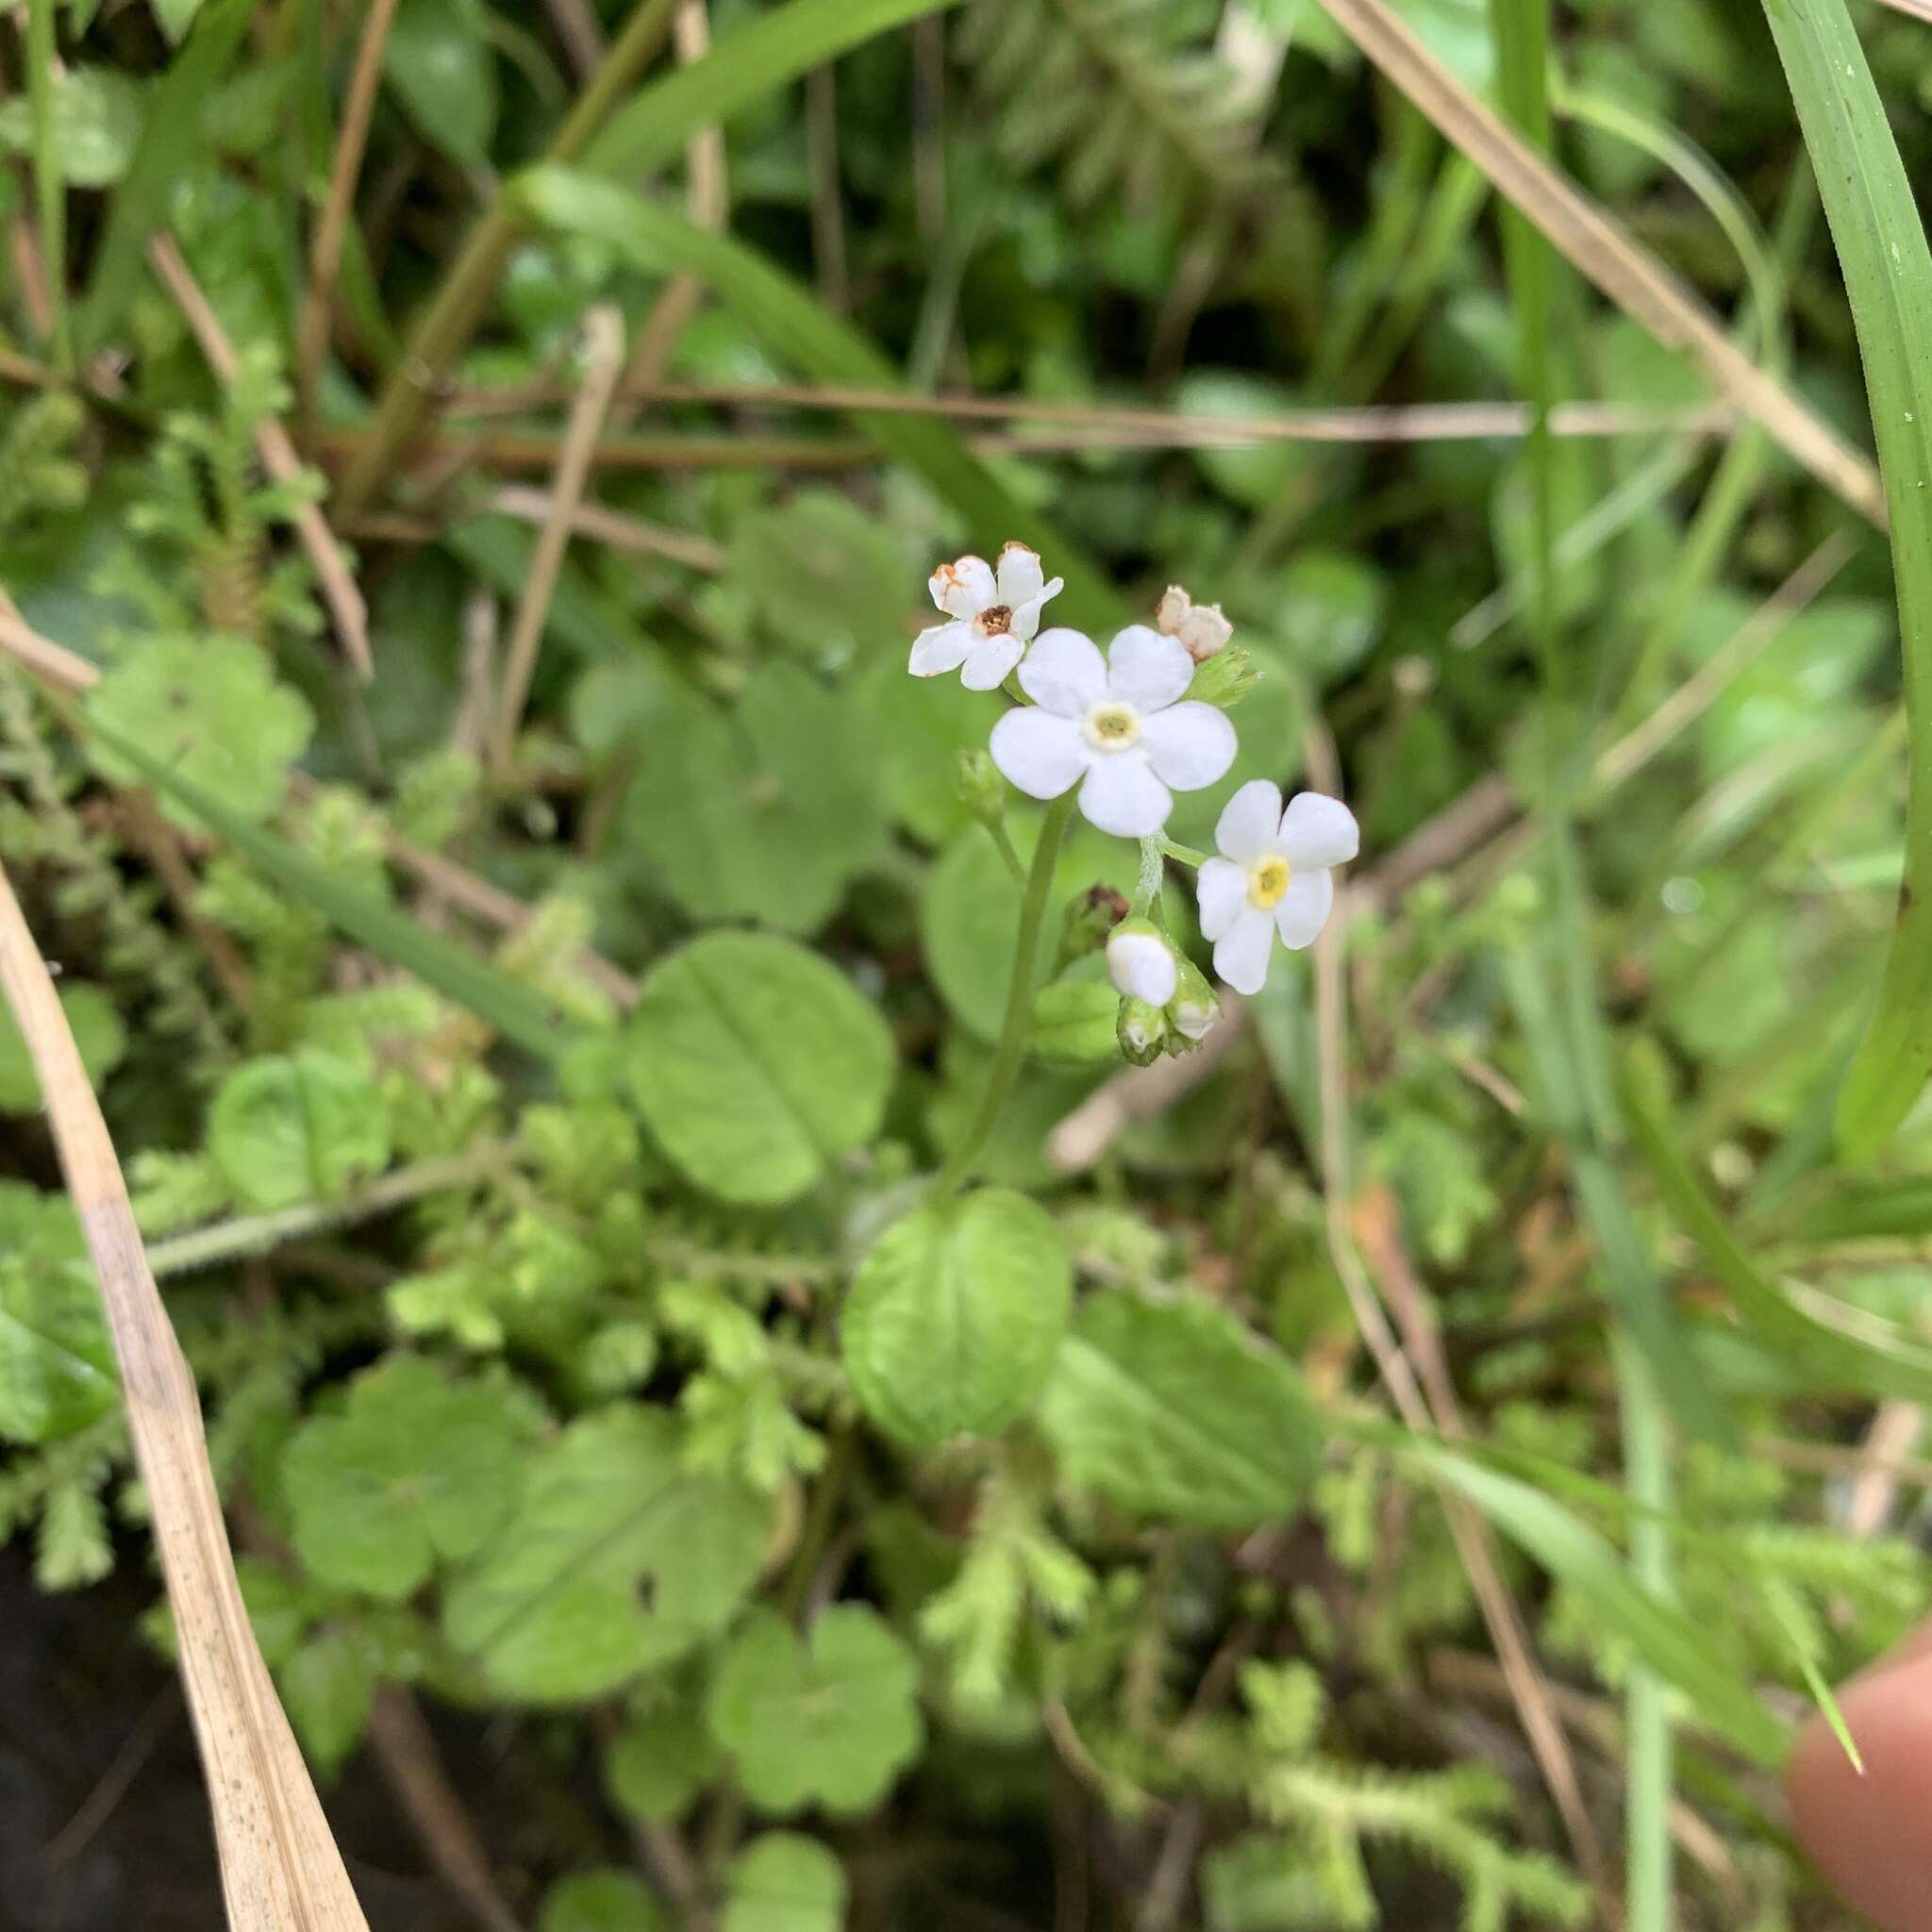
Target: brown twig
617 528
325 254
115 1782
603 359
1605 251
279 459
161 845
280 1869
581 33
406 1750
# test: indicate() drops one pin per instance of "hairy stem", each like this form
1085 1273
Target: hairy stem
1012 1044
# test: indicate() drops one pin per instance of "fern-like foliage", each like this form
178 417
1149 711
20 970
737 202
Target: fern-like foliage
1125 94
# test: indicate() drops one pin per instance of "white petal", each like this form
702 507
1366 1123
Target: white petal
988 660
963 588
1141 967
1302 911
940 649
1242 952
1222 892
1317 831
1064 672
1250 821
1189 745
1026 618
1020 576
1147 670
1124 798
1039 753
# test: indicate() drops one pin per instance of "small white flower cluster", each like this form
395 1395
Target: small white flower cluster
1122 727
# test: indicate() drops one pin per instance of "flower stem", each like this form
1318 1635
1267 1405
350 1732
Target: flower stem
1186 853
1004 839
1153 870
1012 1042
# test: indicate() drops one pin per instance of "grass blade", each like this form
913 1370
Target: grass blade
170 142
50 179
1887 271
512 1009
796 327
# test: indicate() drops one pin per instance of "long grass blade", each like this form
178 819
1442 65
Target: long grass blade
1887 270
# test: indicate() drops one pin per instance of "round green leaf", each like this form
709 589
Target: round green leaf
659 1766
783 1882
97 1032
211 708
97 120
923 724
413 1468
953 1321
299 1127
831 1721
765 811
604 1900
1173 1410
756 1065
825 579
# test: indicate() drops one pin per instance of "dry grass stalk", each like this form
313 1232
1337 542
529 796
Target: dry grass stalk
614 528
603 360
278 458
1605 251
280 1869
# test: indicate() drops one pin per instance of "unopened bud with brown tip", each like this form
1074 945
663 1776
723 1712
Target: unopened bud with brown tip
1201 629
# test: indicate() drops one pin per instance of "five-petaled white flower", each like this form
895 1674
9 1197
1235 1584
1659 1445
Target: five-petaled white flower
1272 877
1115 726
992 616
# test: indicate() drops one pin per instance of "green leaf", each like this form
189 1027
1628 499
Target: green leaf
1888 268
516 1012
171 141
756 1065
439 61
617 1561
830 1720
298 1127
74 1547
56 1365
794 325
954 1316
97 1032
825 579
176 17
327 1687
921 724
660 1764
766 812
1078 1021
97 117
606 1900
1173 1409
413 1469
1669 1641
782 1882
211 711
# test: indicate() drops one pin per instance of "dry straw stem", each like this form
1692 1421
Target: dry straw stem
279 459
1600 247
603 360
280 1869
324 255
613 527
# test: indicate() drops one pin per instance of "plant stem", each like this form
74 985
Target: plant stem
1012 1042
1185 854
1004 839
1647 1480
50 185
1153 871
452 317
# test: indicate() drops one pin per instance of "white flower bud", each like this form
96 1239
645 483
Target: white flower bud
1141 962
1195 1007
1172 612
1201 629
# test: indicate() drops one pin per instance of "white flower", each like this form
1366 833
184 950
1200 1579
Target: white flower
1114 725
1272 877
992 617
1201 627
1141 962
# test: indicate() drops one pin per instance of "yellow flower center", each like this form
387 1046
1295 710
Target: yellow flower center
1267 881
1113 728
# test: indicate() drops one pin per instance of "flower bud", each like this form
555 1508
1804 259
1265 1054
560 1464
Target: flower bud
1140 961
1194 1006
1141 1031
1225 680
1201 629
1090 916
981 789
1073 1020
